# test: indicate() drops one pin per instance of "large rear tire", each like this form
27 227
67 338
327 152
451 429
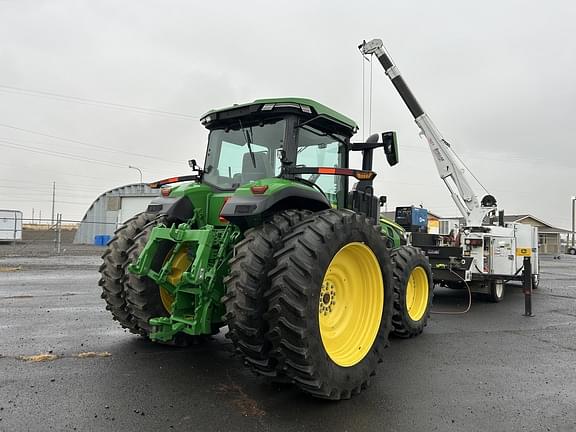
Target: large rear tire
245 285
412 280
330 304
113 269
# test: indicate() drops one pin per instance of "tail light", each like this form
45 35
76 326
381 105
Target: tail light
259 190
221 218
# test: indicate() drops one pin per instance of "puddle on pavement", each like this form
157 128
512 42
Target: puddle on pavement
92 354
39 358
46 357
9 269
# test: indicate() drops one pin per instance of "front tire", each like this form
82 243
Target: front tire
330 304
412 280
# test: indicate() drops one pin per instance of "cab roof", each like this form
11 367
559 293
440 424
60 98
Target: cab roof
302 106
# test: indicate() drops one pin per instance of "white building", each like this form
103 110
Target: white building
10 225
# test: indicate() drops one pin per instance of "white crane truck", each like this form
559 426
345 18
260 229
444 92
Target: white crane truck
483 252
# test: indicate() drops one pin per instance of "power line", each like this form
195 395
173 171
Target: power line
25 189
86 203
54 153
88 101
94 187
86 144
52 172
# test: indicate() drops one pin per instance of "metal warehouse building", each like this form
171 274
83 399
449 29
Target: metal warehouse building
112 208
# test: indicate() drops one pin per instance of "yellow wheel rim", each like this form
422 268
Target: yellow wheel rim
351 304
417 294
180 264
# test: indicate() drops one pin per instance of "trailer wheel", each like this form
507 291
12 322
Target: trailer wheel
113 269
412 281
496 291
245 285
330 304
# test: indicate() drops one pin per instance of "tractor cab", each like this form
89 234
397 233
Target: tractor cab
255 146
267 138
275 154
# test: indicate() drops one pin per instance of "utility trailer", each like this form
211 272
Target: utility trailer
481 254
10 225
484 258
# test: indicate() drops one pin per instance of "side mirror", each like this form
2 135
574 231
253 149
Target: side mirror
194 165
390 147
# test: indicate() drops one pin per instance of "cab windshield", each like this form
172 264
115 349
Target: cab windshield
244 153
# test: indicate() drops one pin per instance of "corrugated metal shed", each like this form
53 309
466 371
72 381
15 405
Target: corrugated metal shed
112 208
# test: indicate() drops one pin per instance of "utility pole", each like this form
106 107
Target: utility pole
53 199
573 211
32 215
59 233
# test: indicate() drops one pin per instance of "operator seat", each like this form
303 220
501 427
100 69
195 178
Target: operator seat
251 172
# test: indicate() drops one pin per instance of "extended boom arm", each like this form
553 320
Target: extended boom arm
447 162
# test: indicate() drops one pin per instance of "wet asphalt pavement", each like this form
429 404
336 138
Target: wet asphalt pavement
489 370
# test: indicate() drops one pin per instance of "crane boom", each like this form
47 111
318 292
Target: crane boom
452 171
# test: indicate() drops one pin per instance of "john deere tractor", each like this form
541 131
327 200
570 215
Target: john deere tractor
271 240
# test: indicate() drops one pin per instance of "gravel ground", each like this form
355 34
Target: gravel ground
489 370
41 247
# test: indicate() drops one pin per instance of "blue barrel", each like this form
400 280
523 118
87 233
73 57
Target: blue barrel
101 240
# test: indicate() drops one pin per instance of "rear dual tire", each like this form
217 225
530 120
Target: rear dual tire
330 345
132 299
245 285
113 270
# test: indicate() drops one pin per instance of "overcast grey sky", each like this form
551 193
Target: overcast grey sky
497 77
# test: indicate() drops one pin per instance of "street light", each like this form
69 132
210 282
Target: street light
139 170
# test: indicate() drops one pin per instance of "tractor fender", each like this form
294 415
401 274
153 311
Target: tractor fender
245 210
177 208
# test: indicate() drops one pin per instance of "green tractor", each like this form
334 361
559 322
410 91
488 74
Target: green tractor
269 240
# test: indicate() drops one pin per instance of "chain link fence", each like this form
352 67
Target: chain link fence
45 237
